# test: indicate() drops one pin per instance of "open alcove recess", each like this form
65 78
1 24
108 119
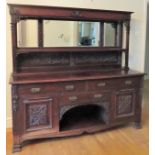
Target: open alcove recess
83 116
66 91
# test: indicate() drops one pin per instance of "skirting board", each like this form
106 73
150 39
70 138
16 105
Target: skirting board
9 122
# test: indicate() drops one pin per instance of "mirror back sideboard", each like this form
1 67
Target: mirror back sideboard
70 72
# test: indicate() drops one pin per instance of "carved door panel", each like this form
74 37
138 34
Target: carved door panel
39 114
124 105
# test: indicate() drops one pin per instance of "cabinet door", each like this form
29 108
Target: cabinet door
39 114
124 105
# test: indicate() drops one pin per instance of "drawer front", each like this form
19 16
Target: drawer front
37 89
72 98
128 82
99 85
73 86
121 83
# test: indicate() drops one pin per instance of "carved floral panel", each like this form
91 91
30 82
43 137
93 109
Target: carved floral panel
37 115
124 104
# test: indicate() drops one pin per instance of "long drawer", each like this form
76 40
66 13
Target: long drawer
36 89
72 98
121 83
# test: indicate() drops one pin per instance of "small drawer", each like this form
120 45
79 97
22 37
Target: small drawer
128 82
97 85
74 98
73 86
99 96
36 89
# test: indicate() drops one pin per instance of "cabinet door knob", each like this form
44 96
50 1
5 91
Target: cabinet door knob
73 98
128 82
69 87
35 90
101 84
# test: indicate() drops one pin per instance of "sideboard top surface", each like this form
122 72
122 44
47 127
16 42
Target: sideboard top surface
45 77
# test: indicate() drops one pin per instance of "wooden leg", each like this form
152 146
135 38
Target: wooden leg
137 125
17 145
16 148
137 122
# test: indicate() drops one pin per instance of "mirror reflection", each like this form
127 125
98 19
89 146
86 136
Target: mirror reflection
66 34
109 34
70 33
58 33
27 33
88 34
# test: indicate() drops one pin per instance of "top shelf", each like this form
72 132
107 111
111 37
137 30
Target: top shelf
69 49
38 12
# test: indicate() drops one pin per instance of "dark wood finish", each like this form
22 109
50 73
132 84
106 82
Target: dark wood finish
40 33
127 45
32 12
101 34
14 42
66 91
68 49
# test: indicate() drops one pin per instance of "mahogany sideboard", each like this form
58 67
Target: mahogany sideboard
62 91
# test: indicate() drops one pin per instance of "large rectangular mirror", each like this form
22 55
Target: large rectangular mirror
59 33
70 33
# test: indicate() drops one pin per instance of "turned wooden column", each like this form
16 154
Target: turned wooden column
14 41
101 44
40 33
127 24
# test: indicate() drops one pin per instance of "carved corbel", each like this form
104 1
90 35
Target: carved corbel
15 103
127 25
14 99
15 15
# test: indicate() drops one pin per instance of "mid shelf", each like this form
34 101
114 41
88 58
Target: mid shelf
69 49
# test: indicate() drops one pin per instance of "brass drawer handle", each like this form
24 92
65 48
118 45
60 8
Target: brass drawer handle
35 90
73 98
101 84
69 87
98 95
128 82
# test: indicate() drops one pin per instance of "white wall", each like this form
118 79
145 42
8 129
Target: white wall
138 29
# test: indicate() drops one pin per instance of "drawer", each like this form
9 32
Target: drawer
122 83
37 89
100 96
97 85
127 82
73 86
73 98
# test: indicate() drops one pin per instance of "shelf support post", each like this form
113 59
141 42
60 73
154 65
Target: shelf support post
14 20
40 32
127 24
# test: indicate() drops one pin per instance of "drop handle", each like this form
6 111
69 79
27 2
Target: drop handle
101 84
128 82
69 87
73 98
35 90
98 96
